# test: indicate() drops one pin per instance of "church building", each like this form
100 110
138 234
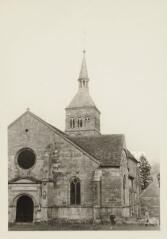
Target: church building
76 175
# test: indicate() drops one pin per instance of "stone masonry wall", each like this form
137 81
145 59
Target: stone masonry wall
37 138
110 187
134 188
72 162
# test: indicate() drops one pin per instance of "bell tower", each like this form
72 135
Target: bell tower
82 115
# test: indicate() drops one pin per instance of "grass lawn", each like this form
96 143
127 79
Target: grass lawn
79 227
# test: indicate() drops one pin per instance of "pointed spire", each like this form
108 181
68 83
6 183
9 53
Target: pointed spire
83 73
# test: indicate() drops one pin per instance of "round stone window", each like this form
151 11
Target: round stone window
26 158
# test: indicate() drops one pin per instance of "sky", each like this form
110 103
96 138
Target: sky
41 44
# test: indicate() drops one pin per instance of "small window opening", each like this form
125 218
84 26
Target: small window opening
79 123
72 123
75 194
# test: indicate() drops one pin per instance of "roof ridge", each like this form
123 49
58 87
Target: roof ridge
98 136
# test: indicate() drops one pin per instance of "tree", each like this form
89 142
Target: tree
158 177
144 172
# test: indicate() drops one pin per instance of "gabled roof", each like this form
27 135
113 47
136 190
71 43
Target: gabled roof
130 156
56 130
105 148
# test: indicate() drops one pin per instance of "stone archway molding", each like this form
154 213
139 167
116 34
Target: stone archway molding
15 199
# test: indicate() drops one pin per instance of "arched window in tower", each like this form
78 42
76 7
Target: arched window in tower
72 123
124 189
79 122
75 191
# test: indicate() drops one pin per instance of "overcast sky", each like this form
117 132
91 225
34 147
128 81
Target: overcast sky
41 45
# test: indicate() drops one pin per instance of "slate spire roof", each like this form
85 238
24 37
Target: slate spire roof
83 72
82 98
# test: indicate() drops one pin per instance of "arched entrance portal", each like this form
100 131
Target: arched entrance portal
24 209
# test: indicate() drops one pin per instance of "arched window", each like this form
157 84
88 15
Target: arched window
124 189
72 123
79 123
75 194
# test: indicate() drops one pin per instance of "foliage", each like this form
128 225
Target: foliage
158 177
144 172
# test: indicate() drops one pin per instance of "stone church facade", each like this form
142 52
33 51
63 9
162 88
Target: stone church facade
79 174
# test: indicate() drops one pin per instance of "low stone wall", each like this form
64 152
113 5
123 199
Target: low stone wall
106 214
85 214
71 213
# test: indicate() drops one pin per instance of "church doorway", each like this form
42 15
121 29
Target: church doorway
24 209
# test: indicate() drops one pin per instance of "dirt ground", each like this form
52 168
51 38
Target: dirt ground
79 227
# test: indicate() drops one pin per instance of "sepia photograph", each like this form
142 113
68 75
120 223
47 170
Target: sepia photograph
83 106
